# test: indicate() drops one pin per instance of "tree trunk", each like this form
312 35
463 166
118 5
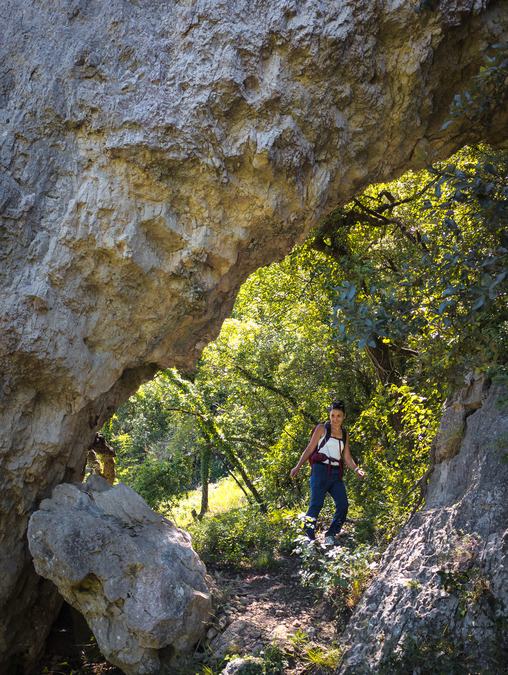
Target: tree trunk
237 464
206 453
107 463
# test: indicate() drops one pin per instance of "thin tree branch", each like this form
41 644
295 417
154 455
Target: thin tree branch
249 441
276 390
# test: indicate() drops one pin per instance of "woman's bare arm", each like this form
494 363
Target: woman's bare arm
318 432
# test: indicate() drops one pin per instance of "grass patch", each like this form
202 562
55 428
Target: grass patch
223 496
233 533
315 658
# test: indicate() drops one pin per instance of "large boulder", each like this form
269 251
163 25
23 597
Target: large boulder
440 600
152 155
132 574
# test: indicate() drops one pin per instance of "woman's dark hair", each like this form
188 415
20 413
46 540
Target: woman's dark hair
337 405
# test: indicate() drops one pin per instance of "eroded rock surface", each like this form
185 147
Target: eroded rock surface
441 596
132 574
153 154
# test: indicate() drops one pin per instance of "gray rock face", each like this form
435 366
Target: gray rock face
453 422
153 154
128 570
242 636
442 590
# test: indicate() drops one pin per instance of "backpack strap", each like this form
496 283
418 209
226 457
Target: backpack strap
316 457
324 440
321 442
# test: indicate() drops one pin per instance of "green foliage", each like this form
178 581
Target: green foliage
340 573
393 435
422 266
305 657
322 660
242 537
157 443
273 369
478 104
158 481
275 660
277 464
315 658
142 424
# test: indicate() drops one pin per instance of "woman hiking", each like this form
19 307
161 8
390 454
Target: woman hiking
328 451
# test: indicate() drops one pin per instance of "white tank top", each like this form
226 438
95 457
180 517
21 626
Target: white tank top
332 448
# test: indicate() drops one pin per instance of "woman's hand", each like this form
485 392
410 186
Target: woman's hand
316 434
360 472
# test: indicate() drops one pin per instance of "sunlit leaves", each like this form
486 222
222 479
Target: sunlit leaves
429 259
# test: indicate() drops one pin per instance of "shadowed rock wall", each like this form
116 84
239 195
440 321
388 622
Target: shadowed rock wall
152 155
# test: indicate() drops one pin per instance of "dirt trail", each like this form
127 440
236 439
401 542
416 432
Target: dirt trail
263 608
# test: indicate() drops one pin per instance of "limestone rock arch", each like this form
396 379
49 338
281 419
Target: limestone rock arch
152 155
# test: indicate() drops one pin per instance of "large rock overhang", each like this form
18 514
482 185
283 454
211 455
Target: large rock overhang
152 156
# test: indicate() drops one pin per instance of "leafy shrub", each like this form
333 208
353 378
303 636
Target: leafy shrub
276 483
339 572
274 660
157 481
395 432
242 537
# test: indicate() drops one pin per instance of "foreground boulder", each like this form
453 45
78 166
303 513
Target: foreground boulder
129 571
441 598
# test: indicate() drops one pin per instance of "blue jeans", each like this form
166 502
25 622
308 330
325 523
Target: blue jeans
325 479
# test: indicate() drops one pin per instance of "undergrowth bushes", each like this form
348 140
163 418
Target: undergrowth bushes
243 537
340 573
300 655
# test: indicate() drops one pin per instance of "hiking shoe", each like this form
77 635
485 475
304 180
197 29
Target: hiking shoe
329 541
